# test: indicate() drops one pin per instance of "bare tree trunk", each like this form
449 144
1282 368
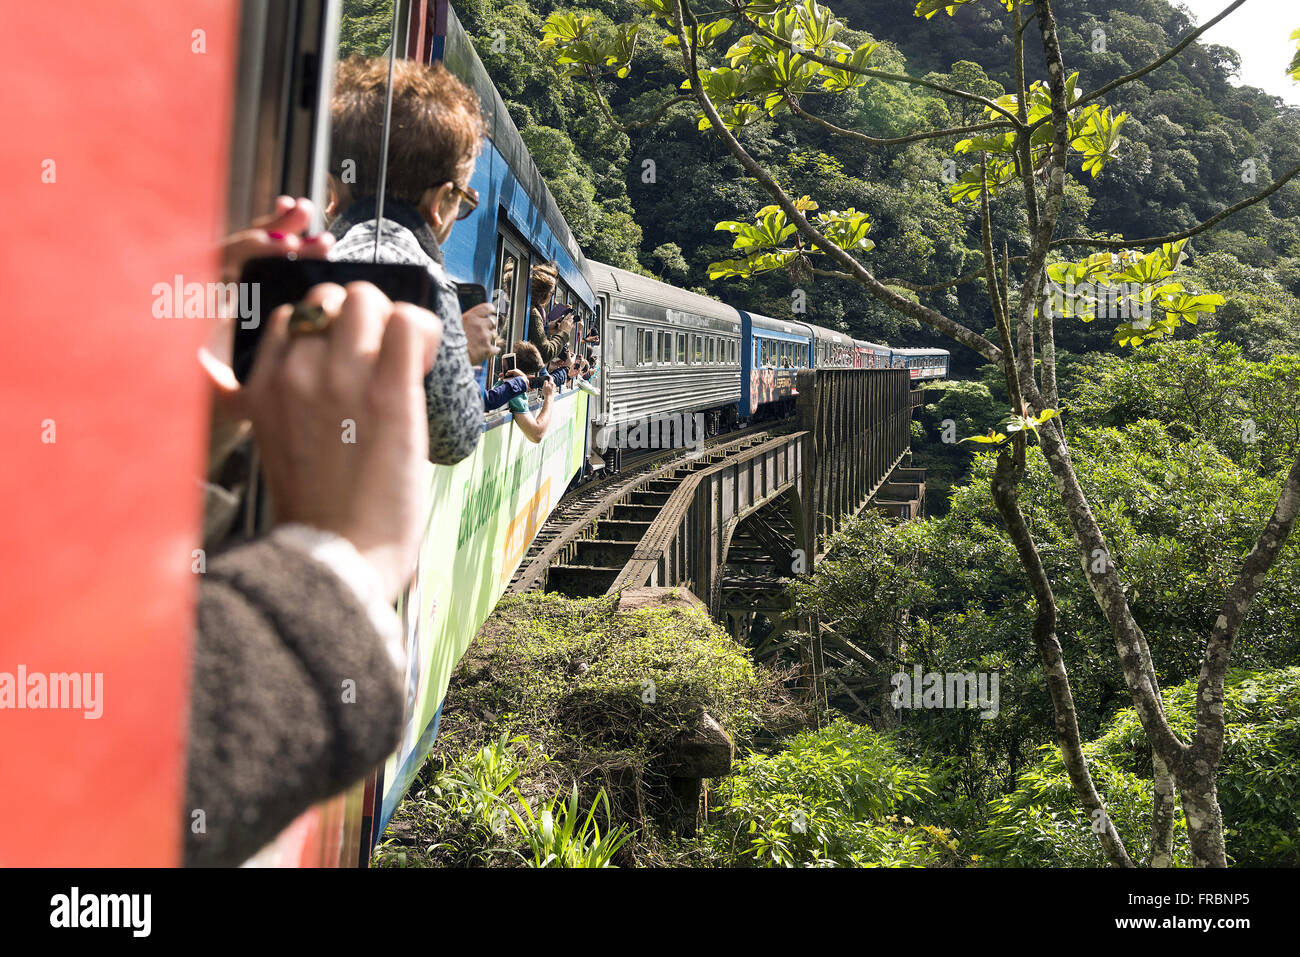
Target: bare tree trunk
1162 813
1204 818
1066 723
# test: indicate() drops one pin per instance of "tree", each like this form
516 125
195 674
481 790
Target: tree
1018 150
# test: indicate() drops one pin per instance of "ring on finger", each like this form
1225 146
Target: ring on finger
307 319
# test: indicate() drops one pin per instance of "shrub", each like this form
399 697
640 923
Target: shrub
837 796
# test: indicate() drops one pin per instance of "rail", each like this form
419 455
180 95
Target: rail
686 543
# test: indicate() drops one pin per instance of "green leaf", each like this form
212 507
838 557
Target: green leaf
993 438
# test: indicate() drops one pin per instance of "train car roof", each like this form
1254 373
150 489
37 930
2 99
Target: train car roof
629 285
921 351
820 332
863 344
778 325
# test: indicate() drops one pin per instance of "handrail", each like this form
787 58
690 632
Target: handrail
681 512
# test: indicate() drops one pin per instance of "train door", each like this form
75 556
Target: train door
610 350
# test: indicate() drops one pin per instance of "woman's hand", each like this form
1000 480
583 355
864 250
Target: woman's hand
340 422
276 234
481 333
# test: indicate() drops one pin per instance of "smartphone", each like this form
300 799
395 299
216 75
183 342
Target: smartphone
278 281
539 380
508 362
470 294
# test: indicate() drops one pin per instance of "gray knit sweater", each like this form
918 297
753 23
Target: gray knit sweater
294 699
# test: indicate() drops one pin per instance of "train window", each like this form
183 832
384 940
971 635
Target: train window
646 353
699 348
709 346
681 348
509 296
665 347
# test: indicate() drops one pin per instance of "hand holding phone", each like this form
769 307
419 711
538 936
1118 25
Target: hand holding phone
470 294
274 282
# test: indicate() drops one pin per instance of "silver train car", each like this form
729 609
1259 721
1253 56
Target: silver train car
664 352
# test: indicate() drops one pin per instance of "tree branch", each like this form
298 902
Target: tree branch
879 74
864 277
1130 642
1207 745
797 108
1187 233
1158 63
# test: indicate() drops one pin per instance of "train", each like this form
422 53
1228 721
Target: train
261 75
668 351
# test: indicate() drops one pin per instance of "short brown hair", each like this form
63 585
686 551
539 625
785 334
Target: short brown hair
435 133
527 359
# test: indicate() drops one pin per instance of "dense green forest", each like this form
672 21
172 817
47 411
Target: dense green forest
1119 484
1191 139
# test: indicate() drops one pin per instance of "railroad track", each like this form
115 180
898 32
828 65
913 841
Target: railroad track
594 530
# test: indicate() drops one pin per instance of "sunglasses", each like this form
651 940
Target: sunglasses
468 200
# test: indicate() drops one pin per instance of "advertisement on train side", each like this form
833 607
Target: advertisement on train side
484 513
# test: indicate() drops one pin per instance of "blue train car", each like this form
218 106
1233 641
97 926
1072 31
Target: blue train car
773 353
517 224
486 509
922 364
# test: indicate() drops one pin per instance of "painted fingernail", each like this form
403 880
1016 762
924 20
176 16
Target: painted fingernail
276 235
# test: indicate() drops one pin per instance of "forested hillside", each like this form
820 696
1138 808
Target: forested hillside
1194 144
